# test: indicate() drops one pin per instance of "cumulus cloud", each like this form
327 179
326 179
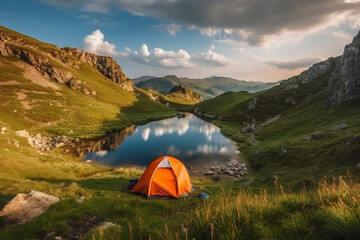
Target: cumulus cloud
290 64
212 58
257 18
95 43
171 28
159 57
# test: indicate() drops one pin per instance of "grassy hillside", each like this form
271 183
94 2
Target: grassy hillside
207 87
284 119
226 100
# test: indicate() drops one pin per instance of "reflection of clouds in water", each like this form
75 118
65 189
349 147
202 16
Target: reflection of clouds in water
101 153
208 149
145 134
172 150
170 126
208 130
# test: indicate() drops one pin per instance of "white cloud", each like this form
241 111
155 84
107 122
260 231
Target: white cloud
210 32
289 63
95 43
159 57
214 59
171 28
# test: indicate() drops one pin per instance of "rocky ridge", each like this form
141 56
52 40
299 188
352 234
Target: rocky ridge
186 92
54 64
345 82
105 65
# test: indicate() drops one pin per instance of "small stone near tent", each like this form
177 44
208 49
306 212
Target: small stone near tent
166 176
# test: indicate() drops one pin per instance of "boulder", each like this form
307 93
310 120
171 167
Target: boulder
316 136
24 207
209 172
339 127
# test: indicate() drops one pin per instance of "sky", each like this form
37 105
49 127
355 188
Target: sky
253 40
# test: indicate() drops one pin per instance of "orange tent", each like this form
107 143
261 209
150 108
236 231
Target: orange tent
165 176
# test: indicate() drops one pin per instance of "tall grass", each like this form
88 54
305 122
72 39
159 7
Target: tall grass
332 211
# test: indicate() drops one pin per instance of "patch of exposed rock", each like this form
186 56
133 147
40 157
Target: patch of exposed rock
107 66
339 127
43 143
345 82
316 70
233 168
252 103
187 93
24 207
42 61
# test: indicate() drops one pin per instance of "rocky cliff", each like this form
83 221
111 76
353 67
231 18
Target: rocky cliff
345 82
187 93
55 63
105 65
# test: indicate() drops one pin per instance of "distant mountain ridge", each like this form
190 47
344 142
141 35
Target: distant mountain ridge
209 87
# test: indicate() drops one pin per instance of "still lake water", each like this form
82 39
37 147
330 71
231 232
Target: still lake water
193 141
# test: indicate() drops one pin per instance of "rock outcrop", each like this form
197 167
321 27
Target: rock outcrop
43 143
24 207
345 82
43 60
105 65
316 70
187 93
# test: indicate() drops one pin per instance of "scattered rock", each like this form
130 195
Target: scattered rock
247 183
25 207
339 127
316 136
233 168
209 172
307 138
252 103
215 167
358 166
44 143
3 130
283 150
73 83
80 199
100 228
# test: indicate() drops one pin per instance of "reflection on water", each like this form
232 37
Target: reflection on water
189 139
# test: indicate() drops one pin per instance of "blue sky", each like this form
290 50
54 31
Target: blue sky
263 40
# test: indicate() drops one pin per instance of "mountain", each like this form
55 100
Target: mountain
207 87
305 127
66 91
183 92
141 79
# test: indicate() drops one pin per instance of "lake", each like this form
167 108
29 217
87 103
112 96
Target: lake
195 142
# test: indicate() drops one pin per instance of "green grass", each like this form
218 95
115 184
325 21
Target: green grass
223 102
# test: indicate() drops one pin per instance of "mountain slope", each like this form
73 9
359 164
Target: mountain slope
288 131
207 87
66 91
